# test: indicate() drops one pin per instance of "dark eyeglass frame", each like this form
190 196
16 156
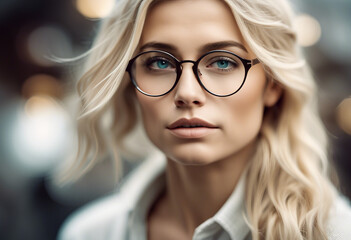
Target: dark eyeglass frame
246 62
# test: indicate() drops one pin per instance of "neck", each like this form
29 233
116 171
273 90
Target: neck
195 193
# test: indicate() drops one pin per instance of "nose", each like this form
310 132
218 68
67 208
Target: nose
188 92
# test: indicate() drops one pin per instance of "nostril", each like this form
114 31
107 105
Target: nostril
180 103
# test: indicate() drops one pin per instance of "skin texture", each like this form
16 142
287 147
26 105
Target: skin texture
204 167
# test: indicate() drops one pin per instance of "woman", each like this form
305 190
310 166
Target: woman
223 92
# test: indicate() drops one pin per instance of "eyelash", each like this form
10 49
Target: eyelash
231 61
148 62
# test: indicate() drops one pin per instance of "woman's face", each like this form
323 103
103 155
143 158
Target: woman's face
190 125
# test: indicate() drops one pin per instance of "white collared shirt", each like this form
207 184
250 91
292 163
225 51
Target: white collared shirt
123 215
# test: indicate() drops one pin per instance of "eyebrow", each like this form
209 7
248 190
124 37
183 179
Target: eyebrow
158 45
218 45
206 48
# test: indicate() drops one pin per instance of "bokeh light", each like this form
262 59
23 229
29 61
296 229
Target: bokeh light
94 8
343 115
40 135
46 43
308 30
42 84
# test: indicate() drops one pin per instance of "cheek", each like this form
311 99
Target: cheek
246 108
151 110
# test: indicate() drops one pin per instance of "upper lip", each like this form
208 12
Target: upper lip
193 122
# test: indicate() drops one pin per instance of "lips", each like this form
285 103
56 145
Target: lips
190 123
193 128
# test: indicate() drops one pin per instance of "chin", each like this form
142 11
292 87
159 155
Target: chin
191 159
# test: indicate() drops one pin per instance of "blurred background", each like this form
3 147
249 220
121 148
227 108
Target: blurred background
36 130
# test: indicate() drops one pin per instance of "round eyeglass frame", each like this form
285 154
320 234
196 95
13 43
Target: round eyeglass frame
246 62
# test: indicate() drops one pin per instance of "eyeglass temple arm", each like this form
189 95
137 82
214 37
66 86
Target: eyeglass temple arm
254 61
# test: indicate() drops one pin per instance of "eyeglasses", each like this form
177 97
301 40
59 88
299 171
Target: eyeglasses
219 72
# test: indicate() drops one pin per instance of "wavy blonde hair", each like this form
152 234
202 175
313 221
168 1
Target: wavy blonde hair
288 192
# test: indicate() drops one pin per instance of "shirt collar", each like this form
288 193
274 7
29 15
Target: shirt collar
231 215
229 221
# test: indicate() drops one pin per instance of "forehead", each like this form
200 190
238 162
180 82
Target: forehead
189 24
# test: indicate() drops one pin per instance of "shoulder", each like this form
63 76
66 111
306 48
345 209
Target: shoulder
339 226
107 218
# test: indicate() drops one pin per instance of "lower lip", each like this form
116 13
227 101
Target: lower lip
198 132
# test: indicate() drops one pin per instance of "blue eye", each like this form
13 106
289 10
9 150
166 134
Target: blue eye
222 64
162 64
159 63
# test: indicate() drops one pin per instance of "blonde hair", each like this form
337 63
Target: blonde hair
288 177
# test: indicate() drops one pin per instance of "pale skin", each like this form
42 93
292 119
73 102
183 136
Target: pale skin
202 171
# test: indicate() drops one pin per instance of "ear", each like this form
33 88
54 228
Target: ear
272 93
